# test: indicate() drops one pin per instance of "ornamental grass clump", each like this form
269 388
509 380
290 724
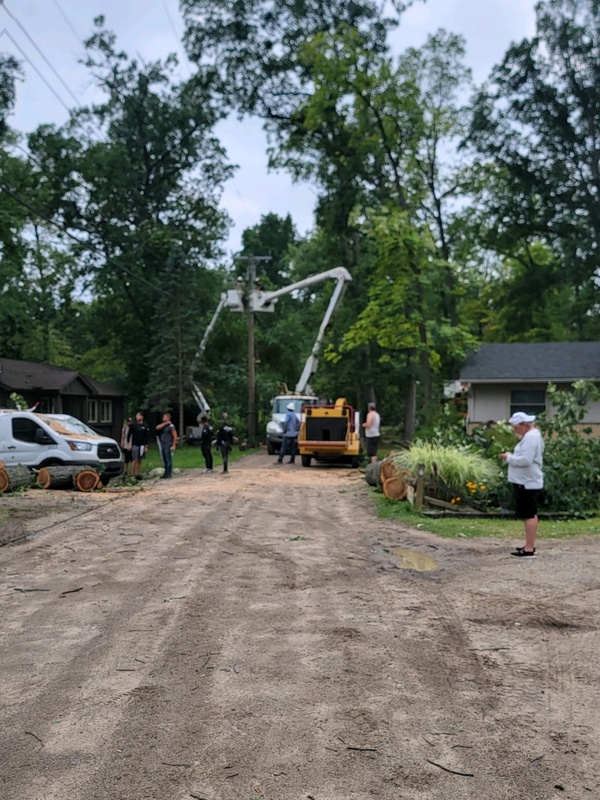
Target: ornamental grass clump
456 466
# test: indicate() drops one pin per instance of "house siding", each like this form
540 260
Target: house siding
491 401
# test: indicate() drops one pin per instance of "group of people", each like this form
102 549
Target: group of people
135 438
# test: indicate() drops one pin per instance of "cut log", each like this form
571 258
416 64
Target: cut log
395 488
388 470
372 476
87 480
17 476
84 479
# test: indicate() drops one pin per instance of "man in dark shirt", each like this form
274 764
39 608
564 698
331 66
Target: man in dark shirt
206 437
138 436
168 443
225 440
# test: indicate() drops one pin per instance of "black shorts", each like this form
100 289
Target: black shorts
526 502
372 442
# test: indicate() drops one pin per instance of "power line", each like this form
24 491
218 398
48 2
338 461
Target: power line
33 42
33 66
67 20
170 18
83 244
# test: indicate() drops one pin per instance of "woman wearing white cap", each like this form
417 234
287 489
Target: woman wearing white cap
525 472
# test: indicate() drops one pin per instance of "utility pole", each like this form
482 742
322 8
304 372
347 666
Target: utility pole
250 287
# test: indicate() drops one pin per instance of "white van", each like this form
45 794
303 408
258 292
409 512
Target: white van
46 440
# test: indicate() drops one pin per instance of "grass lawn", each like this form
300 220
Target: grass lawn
470 528
189 457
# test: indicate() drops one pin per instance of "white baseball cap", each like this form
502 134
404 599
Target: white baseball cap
520 416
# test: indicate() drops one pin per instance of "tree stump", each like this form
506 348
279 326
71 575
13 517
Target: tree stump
84 479
14 477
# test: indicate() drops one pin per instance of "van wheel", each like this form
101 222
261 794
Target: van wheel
52 462
104 480
270 447
306 461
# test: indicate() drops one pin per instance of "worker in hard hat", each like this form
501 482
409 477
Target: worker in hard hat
290 426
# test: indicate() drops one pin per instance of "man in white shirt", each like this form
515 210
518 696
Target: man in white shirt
371 427
525 472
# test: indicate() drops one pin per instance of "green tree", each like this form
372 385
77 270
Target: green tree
536 123
137 173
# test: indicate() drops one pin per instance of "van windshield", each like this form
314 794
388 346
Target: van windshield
281 404
69 425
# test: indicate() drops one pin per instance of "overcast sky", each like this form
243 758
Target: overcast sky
153 28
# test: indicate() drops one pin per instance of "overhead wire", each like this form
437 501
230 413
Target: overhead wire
26 204
67 20
38 49
7 33
30 155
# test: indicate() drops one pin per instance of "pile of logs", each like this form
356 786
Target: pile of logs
396 483
84 479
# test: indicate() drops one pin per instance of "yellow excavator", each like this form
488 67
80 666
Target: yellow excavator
329 433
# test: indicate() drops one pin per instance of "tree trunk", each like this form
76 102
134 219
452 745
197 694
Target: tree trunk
84 479
16 477
372 476
410 416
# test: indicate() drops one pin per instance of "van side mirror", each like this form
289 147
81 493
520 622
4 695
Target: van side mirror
41 437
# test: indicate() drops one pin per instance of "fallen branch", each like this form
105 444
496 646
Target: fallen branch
451 771
363 749
70 591
29 733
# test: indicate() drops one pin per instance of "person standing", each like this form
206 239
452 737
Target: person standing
371 428
126 445
225 440
138 438
525 472
168 443
290 426
206 438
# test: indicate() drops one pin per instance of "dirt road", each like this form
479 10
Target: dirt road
264 635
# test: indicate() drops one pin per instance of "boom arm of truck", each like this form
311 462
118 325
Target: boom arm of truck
233 299
263 301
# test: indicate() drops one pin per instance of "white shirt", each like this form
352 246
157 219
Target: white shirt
372 424
526 461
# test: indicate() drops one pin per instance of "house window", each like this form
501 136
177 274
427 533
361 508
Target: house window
532 401
105 410
92 415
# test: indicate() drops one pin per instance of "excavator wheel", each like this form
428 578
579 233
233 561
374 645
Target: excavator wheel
270 448
306 461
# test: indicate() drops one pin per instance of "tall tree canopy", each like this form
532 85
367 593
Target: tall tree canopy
537 122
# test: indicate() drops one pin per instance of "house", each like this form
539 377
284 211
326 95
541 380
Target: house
59 390
504 378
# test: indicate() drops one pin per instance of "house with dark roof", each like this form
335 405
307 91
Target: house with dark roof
504 378
58 390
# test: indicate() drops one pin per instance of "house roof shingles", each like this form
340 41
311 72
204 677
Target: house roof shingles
18 376
533 362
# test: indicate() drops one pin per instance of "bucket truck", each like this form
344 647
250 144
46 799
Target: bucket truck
260 300
302 395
